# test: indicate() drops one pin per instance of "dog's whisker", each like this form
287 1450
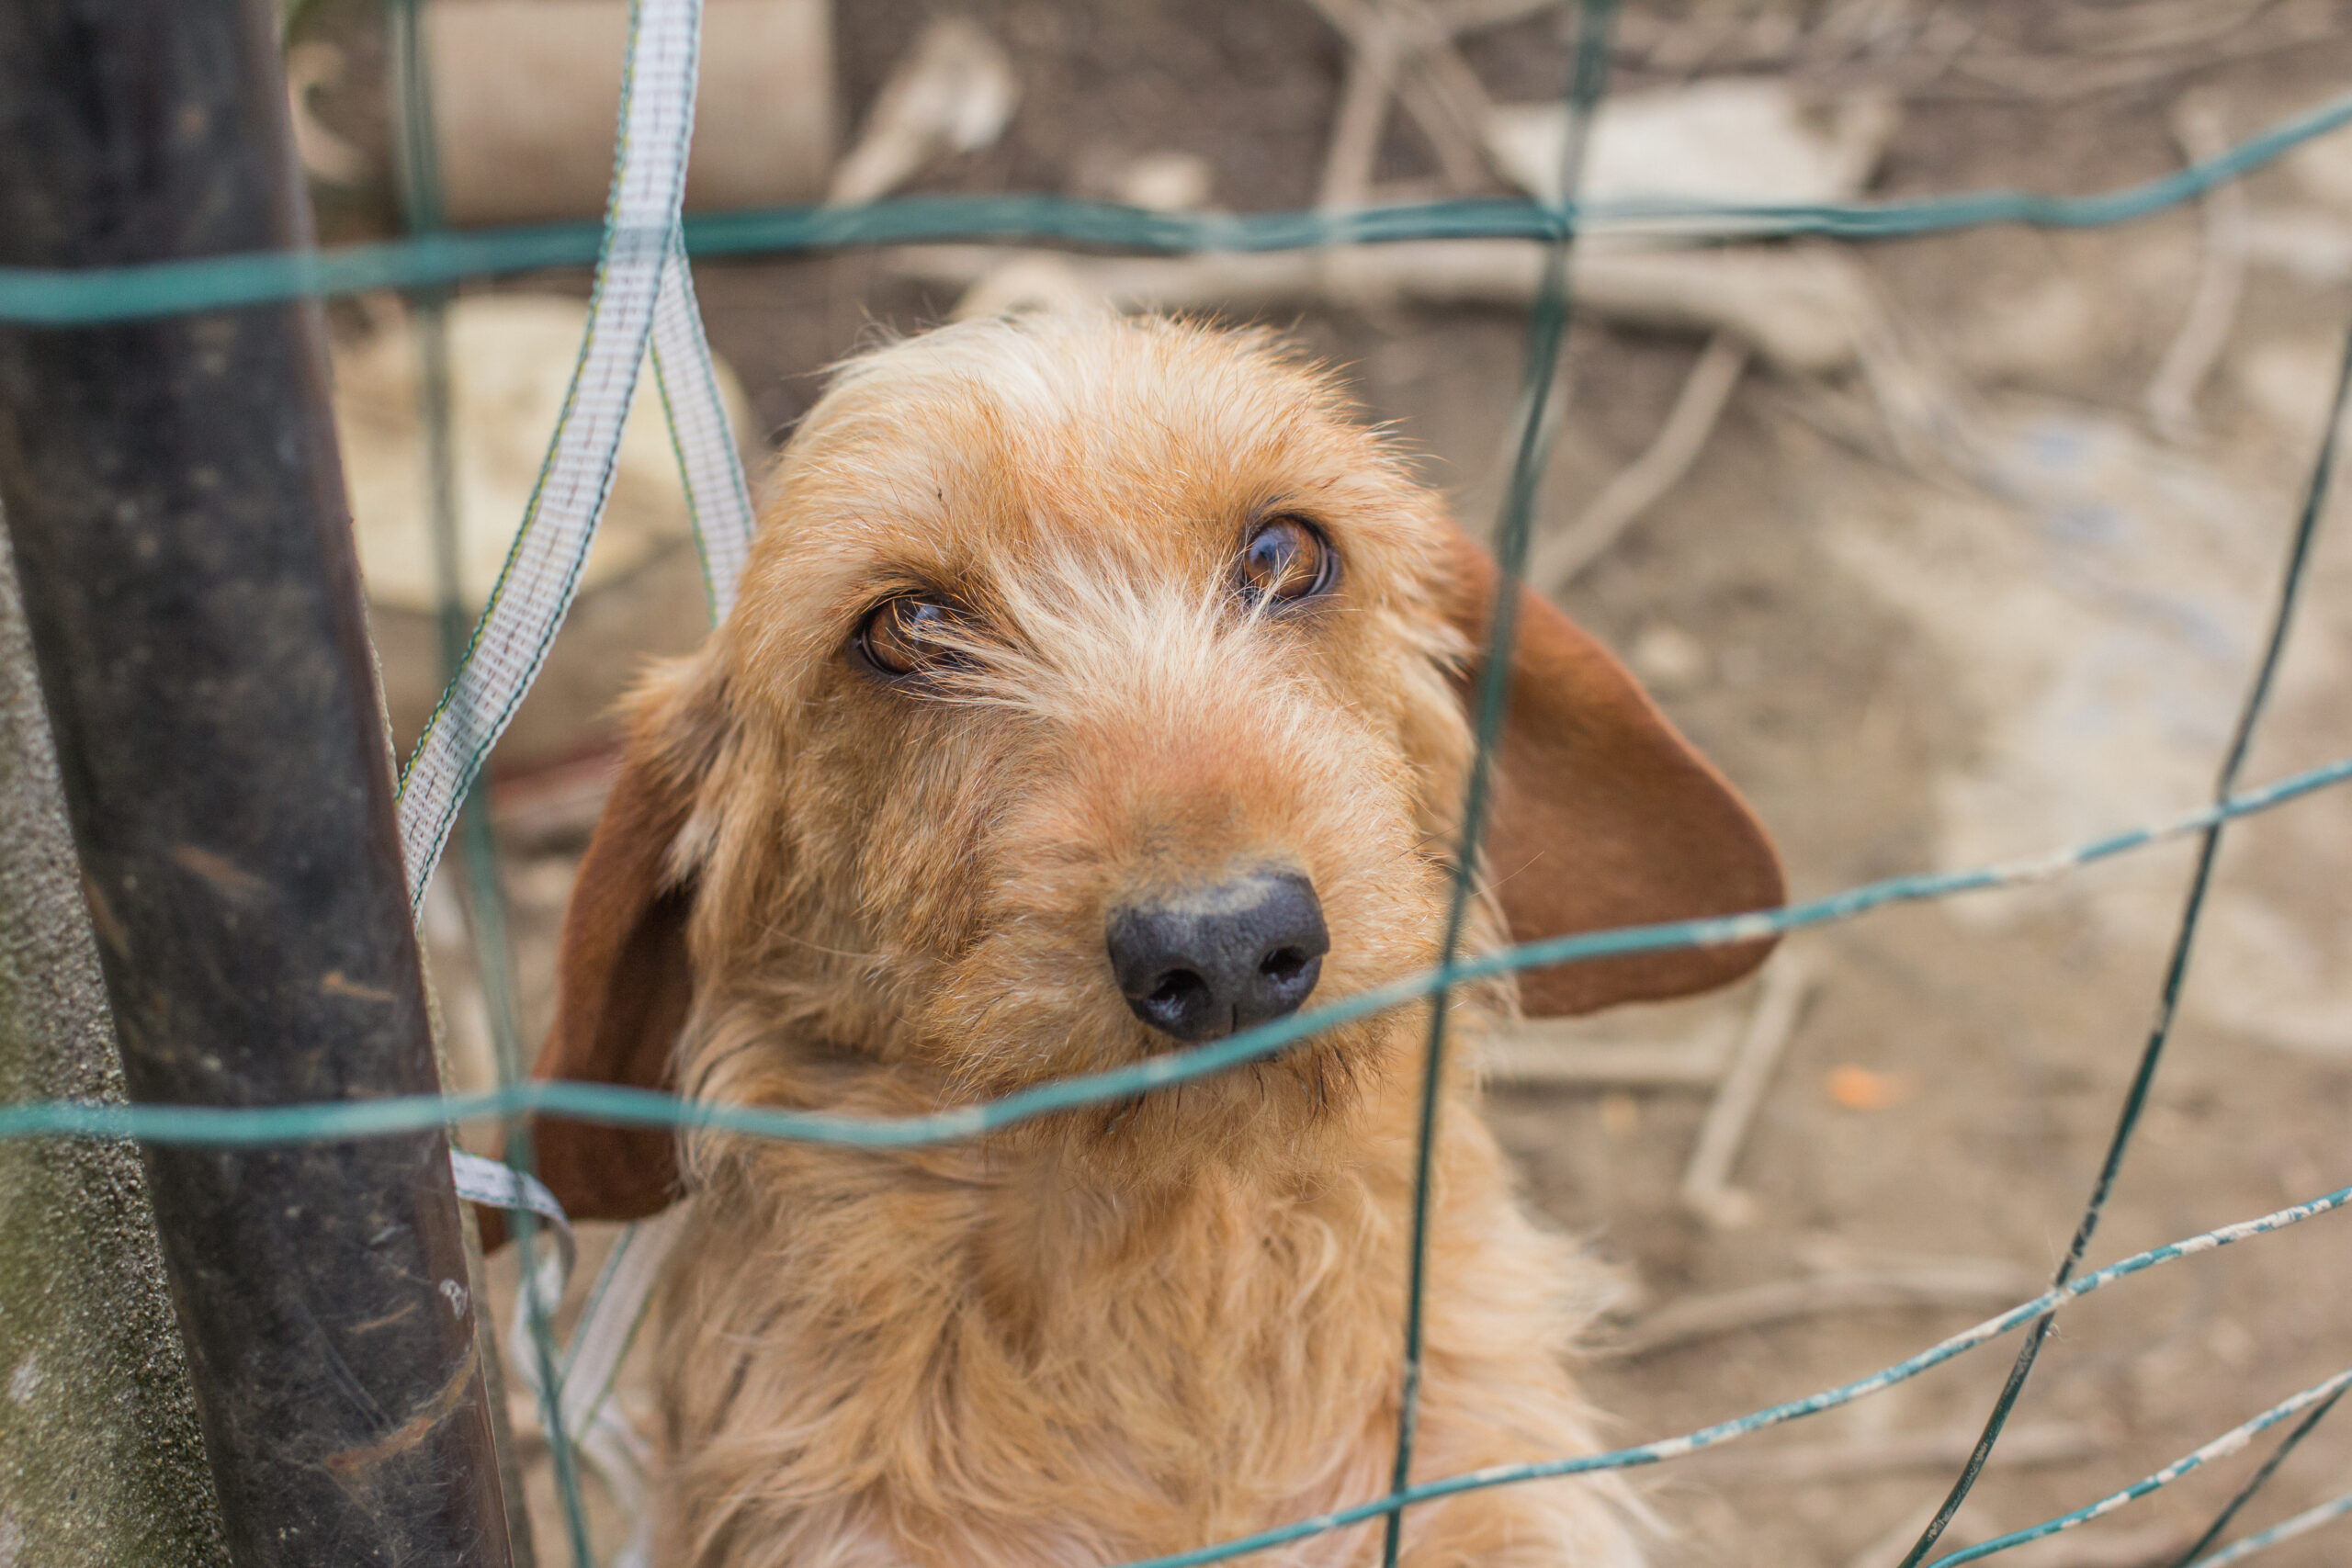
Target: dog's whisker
783 933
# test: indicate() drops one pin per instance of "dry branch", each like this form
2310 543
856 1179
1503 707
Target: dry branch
1412 49
1960 1283
1802 312
1531 1063
1355 147
1562 556
1706 1182
2220 278
1860 1459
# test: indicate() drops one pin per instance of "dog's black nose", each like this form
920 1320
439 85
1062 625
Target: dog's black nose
1204 963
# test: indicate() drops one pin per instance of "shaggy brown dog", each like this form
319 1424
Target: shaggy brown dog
1099 685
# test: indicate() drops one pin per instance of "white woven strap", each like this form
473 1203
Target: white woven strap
641 278
589 1365
716 496
501 1186
644 299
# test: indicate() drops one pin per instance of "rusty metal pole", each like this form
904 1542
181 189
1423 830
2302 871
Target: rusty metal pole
176 507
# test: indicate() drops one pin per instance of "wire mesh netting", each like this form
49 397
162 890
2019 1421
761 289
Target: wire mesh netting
645 305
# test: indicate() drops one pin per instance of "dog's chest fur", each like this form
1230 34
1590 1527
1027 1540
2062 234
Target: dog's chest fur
986 1360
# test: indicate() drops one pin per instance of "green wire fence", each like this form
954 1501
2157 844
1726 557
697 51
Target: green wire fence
53 298
645 304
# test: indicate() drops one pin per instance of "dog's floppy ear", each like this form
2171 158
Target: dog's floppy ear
1603 816
622 990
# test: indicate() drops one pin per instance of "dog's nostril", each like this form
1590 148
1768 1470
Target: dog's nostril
1283 964
1176 986
1208 960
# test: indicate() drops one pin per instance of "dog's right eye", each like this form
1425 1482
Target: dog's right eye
1285 562
902 636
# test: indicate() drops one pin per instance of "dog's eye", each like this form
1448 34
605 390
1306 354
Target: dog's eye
1285 561
901 635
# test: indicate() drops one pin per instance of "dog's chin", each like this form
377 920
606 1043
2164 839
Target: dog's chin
1277 1112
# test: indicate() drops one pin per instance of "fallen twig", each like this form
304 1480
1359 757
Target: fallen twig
953 91
2158 24
1524 1060
1562 556
1706 1182
2220 278
1960 1283
1373 57
1430 78
1801 311
2027 1446
2040 77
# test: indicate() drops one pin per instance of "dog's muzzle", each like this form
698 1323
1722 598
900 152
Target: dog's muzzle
1207 962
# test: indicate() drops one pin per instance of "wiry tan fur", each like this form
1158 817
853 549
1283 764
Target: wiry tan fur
1140 1328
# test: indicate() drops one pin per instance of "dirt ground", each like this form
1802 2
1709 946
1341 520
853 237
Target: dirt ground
2028 625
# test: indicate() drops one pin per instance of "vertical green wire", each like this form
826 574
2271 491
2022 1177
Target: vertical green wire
485 900
1547 330
2177 968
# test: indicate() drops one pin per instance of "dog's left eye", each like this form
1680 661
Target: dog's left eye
1285 561
901 635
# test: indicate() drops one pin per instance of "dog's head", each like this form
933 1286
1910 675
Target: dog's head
1099 686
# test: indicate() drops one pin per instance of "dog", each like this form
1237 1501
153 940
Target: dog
1099 687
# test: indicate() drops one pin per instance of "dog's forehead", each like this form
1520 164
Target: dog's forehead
973 441
1008 462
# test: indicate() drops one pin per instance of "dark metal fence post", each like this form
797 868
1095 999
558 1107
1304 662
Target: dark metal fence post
178 512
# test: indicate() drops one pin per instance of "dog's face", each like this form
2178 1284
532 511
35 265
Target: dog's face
1097 687
1101 687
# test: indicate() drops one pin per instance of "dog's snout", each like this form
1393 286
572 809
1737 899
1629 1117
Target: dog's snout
1207 962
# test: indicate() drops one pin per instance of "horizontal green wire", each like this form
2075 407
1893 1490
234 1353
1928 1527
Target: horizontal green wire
65 297
242 1126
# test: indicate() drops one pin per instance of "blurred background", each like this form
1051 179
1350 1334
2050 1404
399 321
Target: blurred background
1947 550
